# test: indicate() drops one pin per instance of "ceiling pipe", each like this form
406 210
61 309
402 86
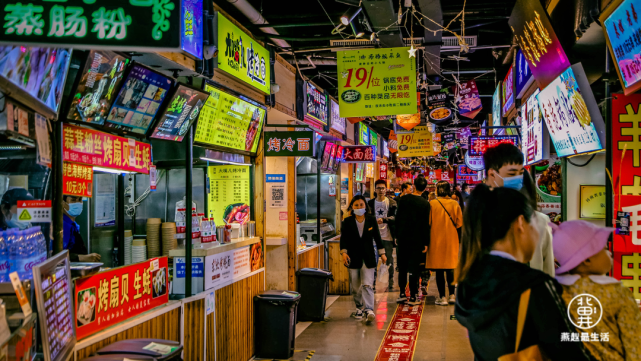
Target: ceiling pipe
314 62
257 19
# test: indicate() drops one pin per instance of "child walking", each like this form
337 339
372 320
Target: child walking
580 248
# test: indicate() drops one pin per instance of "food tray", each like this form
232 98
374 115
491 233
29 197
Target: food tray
81 269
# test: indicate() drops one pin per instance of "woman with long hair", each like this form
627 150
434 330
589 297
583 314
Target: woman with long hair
359 232
495 284
445 219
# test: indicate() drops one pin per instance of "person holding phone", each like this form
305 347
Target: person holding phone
359 234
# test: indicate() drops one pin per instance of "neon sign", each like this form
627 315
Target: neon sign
478 145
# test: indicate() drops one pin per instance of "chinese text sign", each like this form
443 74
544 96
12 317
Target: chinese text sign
622 28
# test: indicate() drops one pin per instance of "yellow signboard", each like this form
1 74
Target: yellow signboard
373 82
415 144
592 202
229 194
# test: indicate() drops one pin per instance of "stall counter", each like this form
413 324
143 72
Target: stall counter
311 256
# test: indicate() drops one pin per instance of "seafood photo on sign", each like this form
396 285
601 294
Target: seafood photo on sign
86 312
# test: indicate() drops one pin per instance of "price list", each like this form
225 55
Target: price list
57 302
229 193
229 122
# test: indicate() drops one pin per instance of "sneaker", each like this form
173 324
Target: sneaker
452 299
401 299
358 314
442 301
414 301
370 316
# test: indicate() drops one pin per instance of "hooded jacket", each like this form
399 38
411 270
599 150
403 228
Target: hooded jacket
487 303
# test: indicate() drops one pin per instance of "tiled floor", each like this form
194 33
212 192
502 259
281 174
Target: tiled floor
342 338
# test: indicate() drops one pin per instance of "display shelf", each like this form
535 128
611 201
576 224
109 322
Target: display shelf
198 252
11 138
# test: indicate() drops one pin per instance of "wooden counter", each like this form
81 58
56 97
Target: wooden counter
340 285
311 257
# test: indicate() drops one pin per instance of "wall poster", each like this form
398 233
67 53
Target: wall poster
229 196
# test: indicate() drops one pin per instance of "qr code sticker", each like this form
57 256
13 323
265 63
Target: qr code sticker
278 194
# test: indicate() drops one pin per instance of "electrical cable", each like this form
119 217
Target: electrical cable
581 165
130 210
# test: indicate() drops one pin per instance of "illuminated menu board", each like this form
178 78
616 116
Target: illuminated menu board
52 280
316 104
181 112
230 122
534 134
496 110
479 144
229 194
508 92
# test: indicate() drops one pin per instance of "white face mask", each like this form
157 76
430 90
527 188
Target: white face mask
359 212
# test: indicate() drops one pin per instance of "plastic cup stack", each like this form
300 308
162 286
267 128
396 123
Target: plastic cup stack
129 238
138 251
169 241
153 237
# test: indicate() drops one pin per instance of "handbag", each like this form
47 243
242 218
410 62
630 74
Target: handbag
532 353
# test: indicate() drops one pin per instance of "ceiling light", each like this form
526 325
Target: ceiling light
224 161
349 15
372 37
108 170
357 29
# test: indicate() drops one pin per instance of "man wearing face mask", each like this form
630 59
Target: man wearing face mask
504 168
9 209
71 238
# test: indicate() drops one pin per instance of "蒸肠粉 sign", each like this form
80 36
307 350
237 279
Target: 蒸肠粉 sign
373 82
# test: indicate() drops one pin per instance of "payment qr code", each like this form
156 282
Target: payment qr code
278 194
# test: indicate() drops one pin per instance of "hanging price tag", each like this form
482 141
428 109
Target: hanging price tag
415 144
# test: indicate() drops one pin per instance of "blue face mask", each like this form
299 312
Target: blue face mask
15 223
397 193
514 182
75 209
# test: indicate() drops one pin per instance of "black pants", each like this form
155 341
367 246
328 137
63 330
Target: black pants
440 281
408 265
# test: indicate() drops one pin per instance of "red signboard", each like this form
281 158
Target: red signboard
478 145
626 174
77 179
360 154
383 172
117 295
87 146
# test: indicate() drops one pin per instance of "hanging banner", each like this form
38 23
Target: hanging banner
140 25
287 144
363 134
626 174
338 123
393 142
375 82
77 179
408 121
416 144
91 147
479 144
110 297
439 106
383 172
243 57
467 99
359 154
623 32
535 35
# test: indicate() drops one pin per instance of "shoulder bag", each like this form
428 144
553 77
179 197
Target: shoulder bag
532 353
458 230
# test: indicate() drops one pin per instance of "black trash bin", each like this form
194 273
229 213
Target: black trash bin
275 315
313 286
136 347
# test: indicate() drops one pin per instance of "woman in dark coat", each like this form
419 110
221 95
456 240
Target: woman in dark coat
359 232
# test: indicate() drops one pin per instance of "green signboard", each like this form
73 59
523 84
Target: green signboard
241 56
373 82
287 144
143 25
373 138
363 134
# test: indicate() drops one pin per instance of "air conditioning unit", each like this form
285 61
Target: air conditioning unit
417 41
348 44
451 42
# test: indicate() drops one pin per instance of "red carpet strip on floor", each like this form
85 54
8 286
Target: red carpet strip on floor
400 339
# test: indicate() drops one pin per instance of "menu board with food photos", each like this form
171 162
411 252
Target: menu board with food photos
438 105
140 97
468 100
316 103
41 72
230 122
52 280
181 112
98 86
229 194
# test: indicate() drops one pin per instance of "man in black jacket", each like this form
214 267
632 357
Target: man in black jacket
384 209
413 237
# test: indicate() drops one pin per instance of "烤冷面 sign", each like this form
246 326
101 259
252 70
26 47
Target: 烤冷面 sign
286 144
374 82
359 154
241 56
534 34
143 25
622 28
91 147
107 298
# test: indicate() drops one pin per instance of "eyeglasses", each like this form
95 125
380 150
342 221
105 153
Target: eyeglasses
380 189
